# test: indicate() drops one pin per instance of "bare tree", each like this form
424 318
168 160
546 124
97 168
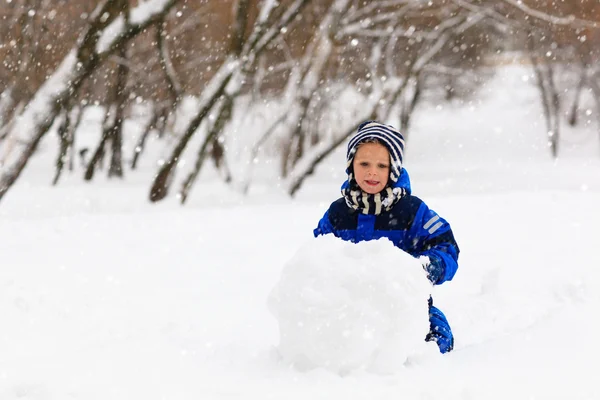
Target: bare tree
394 54
553 36
71 119
95 44
228 81
386 92
112 131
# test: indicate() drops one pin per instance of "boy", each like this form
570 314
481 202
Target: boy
377 203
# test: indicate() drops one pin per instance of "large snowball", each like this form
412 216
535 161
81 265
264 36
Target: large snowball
346 306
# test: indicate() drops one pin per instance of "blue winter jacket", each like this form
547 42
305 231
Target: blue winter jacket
410 225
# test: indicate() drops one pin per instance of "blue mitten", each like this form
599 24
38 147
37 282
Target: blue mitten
439 330
435 271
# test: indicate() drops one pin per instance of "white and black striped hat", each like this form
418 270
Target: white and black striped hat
384 134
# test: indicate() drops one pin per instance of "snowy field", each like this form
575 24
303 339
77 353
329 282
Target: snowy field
105 296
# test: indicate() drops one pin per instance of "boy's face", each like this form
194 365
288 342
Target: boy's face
371 167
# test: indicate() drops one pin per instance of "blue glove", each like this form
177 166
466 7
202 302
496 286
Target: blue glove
439 330
435 271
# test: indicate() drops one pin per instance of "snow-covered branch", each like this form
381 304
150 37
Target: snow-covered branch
553 19
488 11
144 15
366 26
356 15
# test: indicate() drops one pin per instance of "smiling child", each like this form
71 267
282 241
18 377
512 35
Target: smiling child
377 203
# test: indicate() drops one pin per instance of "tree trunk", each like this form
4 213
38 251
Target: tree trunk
555 101
160 187
7 109
141 144
223 118
116 133
409 107
98 156
79 110
65 144
596 91
548 96
173 84
574 112
7 137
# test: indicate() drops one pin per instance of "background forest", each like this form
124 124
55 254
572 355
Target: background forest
181 70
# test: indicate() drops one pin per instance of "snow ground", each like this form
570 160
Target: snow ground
104 296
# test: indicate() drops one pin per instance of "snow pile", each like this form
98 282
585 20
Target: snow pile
345 306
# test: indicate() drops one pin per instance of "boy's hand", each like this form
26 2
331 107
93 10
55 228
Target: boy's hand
434 270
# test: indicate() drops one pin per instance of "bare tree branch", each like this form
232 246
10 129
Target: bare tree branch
553 19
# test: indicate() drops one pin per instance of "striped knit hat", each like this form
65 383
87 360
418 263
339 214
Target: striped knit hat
384 134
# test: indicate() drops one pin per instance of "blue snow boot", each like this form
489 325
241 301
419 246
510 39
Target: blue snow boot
439 329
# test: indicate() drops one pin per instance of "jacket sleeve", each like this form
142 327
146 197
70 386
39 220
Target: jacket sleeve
432 237
324 227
